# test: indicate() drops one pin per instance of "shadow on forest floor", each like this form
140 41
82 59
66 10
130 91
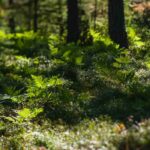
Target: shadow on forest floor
108 101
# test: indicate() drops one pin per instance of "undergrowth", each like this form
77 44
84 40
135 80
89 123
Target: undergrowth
70 96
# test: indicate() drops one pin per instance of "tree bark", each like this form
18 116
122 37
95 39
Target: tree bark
117 31
73 21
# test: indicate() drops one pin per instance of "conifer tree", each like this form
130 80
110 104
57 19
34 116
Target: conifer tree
117 31
73 21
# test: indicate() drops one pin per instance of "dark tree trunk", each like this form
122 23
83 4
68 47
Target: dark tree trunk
73 21
117 29
11 21
35 17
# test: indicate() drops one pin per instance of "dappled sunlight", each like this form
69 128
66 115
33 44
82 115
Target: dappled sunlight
72 80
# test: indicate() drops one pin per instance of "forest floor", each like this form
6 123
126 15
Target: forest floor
71 97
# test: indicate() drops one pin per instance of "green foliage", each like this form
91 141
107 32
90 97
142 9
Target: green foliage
27 114
134 39
47 90
46 83
17 127
28 43
24 115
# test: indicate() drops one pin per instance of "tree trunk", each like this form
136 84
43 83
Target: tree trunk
35 17
73 21
117 31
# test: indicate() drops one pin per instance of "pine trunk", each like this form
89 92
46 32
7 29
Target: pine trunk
73 21
117 29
